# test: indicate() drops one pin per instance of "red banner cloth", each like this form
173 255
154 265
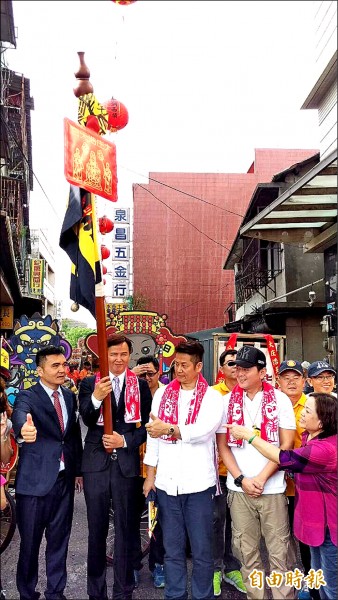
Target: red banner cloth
90 161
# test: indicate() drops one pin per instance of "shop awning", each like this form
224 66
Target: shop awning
305 213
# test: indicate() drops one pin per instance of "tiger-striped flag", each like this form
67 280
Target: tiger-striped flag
78 239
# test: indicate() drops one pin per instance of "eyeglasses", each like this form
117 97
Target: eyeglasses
324 377
148 374
230 363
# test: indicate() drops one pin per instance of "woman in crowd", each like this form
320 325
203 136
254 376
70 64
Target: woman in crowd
6 450
315 469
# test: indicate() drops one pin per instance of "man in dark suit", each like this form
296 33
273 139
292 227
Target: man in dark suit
114 476
45 422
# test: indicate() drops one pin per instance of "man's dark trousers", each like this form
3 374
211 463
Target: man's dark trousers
179 515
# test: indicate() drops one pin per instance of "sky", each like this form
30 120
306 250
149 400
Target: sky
205 83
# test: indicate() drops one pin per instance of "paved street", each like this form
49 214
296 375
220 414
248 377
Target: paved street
76 587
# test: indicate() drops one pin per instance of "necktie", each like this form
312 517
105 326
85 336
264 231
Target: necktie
58 409
57 406
117 391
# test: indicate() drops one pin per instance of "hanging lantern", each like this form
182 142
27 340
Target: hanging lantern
104 270
104 281
105 225
105 252
118 116
123 2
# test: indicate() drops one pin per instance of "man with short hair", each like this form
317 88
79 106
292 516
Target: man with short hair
113 476
322 377
86 371
225 564
256 488
45 422
181 447
228 371
148 368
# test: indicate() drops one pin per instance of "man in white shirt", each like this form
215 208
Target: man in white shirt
181 448
256 488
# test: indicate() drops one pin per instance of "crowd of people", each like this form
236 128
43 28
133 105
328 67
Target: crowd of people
228 465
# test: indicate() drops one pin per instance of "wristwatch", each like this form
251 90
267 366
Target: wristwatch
171 430
238 480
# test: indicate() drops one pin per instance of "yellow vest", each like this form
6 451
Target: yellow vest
297 409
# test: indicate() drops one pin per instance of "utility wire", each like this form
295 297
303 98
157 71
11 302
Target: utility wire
197 301
185 193
186 220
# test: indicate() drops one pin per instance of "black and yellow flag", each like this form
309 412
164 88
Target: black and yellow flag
78 239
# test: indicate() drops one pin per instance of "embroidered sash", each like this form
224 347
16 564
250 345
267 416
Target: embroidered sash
269 424
132 400
168 409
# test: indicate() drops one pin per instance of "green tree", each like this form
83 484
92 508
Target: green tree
73 334
138 301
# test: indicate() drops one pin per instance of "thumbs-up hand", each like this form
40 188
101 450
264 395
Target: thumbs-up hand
28 430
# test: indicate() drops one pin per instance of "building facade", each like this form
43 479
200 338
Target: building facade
301 222
184 225
16 185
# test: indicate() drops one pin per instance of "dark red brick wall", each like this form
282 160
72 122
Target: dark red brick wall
176 266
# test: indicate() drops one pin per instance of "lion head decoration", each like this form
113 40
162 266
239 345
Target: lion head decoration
30 335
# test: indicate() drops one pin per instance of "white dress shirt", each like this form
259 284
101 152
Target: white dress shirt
98 403
187 465
49 391
249 460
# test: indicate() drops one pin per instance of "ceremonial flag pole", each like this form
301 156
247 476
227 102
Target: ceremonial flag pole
79 235
100 310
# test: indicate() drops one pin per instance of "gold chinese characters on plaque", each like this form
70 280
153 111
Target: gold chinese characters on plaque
90 161
6 317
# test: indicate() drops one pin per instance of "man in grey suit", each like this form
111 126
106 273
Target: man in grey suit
113 477
45 422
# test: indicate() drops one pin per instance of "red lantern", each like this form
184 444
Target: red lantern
124 2
105 225
105 252
118 116
104 269
104 281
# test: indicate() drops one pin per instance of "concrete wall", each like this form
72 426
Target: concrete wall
301 269
304 339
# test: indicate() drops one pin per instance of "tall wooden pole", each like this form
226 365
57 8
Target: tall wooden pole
103 361
85 87
100 310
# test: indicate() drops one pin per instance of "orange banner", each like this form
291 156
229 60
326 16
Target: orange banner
90 161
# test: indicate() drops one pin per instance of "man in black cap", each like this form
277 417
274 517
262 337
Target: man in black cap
322 377
256 496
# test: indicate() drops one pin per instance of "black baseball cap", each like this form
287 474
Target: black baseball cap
291 365
248 357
